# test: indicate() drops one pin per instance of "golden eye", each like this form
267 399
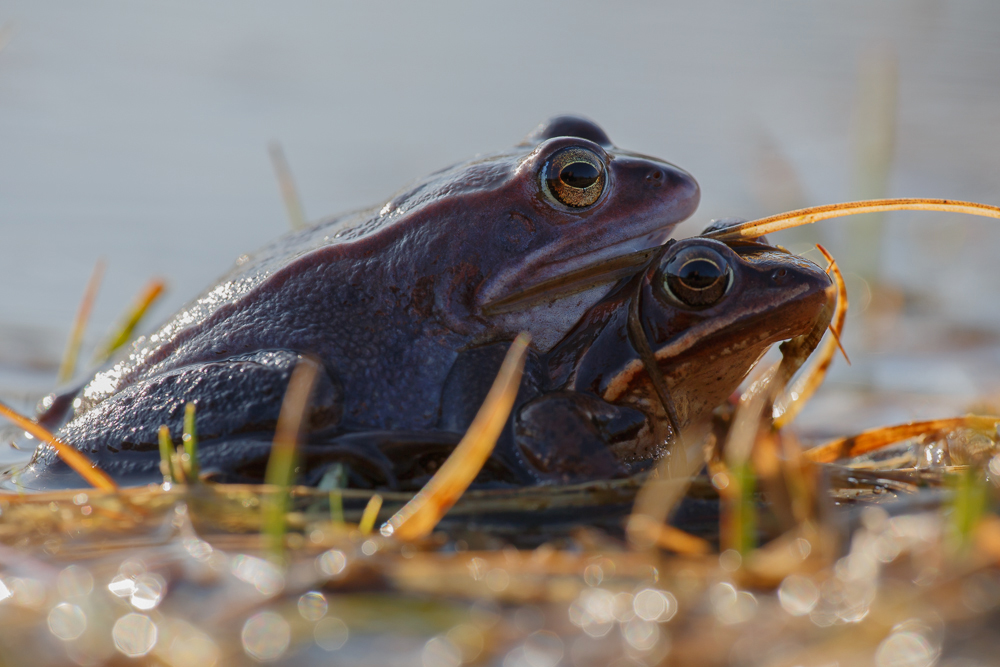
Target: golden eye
575 176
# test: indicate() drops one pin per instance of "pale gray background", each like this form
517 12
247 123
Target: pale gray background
137 132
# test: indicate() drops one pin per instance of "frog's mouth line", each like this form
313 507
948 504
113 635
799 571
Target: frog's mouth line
601 272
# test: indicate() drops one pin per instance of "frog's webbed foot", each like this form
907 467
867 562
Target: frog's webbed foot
566 436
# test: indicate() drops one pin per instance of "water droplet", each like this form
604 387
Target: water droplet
593 575
122 586
67 621
332 562
134 635
148 591
654 605
798 595
641 635
265 576
312 606
905 649
266 636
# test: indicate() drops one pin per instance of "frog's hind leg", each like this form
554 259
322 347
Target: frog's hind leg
239 395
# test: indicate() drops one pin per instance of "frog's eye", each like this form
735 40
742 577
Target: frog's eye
575 176
696 276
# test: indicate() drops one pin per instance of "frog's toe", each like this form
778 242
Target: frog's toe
561 438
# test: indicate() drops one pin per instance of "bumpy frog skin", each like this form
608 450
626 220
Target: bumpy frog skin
386 299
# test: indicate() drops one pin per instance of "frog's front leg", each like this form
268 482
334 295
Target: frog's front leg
567 436
234 396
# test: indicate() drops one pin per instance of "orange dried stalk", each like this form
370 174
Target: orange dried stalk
805 216
876 438
419 516
73 457
804 388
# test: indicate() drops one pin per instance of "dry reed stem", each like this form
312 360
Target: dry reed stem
121 335
73 457
419 516
286 183
803 389
289 427
805 216
68 366
876 438
654 502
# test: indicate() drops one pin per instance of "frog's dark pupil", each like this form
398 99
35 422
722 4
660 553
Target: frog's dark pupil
697 276
699 273
579 175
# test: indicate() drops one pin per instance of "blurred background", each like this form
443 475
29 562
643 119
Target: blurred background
138 133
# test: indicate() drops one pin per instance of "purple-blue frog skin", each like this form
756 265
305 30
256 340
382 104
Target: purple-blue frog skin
388 301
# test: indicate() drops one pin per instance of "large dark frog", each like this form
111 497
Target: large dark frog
386 299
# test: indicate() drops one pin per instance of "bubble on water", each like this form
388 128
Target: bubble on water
134 635
75 582
332 562
67 621
266 636
798 595
331 633
440 652
312 606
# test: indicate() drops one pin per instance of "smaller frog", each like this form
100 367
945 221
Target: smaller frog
706 311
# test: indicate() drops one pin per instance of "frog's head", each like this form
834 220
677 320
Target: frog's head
563 199
709 311
582 201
